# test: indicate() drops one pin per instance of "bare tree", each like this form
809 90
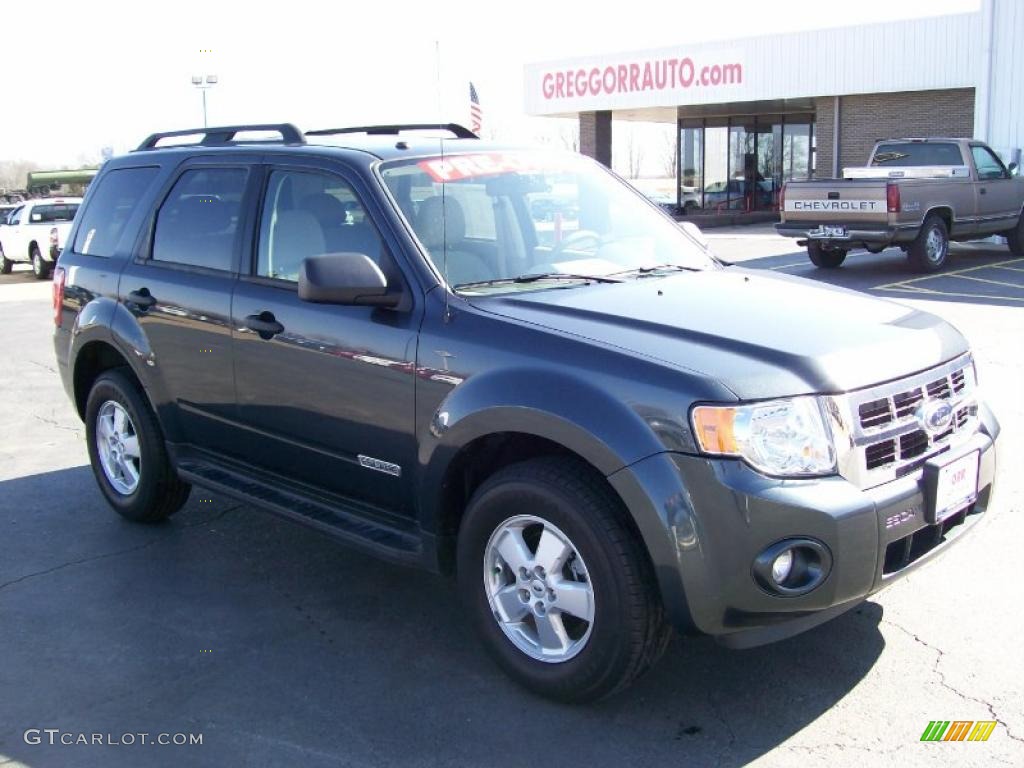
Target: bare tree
14 173
669 153
634 154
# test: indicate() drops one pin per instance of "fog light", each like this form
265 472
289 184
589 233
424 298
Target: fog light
792 567
782 567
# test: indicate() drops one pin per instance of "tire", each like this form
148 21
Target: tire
930 249
825 258
158 492
5 265
1015 238
40 268
627 632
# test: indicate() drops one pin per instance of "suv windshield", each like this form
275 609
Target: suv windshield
498 221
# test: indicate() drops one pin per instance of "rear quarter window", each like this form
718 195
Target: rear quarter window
110 206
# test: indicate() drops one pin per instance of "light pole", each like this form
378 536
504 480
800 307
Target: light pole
204 84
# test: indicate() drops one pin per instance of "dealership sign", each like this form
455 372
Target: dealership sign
645 79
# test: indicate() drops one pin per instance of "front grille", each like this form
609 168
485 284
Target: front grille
885 438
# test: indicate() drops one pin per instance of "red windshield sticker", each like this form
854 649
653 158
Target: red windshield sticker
456 167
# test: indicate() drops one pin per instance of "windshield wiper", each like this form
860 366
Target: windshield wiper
641 271
532 278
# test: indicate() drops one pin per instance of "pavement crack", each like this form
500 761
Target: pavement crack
939 655
57 424
717 712
116 553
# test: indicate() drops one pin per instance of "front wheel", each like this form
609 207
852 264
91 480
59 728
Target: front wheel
557 584
127 453
5 265
929 251
39 267
825 258
1015 238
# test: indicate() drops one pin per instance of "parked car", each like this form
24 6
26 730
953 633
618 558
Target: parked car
600 437
34 232
739 195
917 194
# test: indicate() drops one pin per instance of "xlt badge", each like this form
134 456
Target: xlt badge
380 465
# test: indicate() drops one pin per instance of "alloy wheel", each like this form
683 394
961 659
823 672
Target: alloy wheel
539 588
117 444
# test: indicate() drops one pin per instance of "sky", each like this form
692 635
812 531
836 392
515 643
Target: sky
106 73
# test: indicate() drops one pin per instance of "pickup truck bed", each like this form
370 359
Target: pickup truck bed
920 208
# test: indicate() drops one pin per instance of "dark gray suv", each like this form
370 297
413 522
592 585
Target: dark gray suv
596 427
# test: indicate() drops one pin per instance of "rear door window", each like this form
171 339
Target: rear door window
198 223
112 202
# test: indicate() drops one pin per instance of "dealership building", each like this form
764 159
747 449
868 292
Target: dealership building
756 112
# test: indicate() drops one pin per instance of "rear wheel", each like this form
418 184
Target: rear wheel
1015 238
825 258
929 251
558 586
39 267
127 453
5 265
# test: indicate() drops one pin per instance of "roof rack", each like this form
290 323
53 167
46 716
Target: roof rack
221 135
459 131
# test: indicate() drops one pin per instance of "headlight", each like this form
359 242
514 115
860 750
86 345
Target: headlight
786 438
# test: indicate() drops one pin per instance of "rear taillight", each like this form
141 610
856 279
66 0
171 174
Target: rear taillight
53 237
892 198
58 294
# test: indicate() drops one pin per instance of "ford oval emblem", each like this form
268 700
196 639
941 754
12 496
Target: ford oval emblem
935 416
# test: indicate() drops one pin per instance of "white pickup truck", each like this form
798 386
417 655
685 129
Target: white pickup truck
35 231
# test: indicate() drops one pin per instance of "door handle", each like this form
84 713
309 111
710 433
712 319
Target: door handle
265 324
142 298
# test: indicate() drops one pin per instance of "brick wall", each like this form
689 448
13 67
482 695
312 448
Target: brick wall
864 118
596 136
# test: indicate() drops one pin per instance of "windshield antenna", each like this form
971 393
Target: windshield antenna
444 204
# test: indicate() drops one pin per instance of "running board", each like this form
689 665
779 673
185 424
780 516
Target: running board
350 522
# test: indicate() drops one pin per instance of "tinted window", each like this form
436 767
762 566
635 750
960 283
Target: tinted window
988 165
111 204
908 154
308 214
46 214
14 217
198 221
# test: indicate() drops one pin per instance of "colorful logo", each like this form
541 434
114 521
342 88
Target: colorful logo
958 730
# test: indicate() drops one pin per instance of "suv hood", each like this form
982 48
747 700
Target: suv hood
759 333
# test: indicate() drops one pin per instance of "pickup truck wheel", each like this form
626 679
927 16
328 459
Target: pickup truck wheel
1015 238
929 251
558 586
825 258
39 267
127 453
5 265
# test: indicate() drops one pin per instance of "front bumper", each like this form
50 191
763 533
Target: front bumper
706 520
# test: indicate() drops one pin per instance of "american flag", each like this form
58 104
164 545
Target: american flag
476 114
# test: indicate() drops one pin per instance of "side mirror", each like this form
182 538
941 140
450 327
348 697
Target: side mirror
344 278
1013 169
694 231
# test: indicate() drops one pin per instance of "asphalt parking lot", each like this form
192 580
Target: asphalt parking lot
281 647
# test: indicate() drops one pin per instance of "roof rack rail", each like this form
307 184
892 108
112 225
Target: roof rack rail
459 131
221 135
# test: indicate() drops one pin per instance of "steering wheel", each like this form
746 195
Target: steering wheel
574 239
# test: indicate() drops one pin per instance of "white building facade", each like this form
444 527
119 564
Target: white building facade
755 112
